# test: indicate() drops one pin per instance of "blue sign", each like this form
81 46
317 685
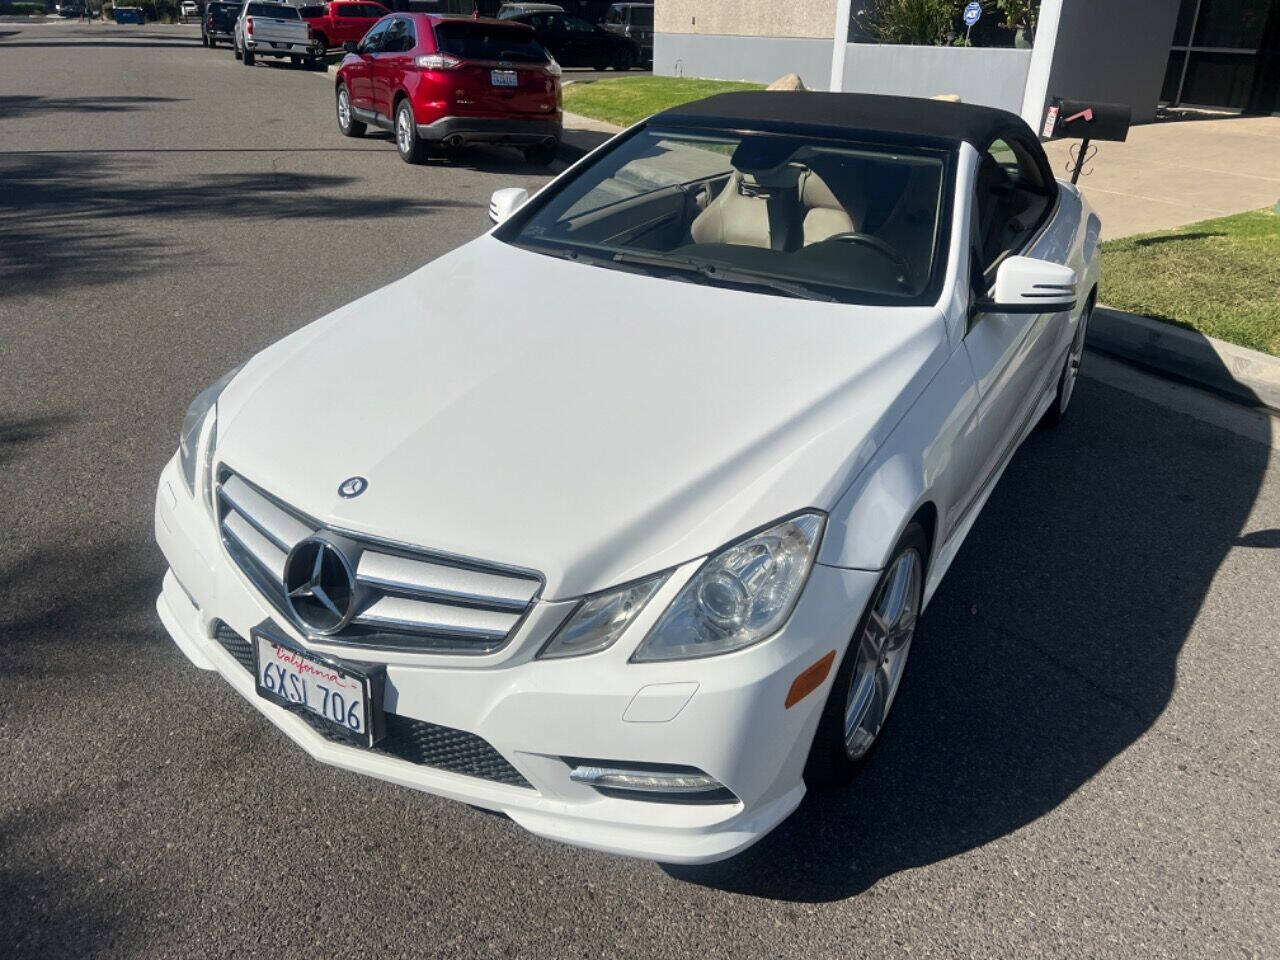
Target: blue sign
972 13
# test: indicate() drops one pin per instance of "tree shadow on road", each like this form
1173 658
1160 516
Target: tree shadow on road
68 219
1050 648
22 431
11 107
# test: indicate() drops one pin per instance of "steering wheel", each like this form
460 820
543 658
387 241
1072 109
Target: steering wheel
880 247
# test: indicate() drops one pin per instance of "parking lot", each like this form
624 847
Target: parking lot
1084 759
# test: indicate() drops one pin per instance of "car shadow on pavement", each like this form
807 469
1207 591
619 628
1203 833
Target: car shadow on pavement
69 219
1050 648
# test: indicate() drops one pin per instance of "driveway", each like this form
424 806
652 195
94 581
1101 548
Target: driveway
1083 760
1193 166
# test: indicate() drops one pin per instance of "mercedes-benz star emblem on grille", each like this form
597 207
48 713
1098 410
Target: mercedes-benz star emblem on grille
320 585
352 487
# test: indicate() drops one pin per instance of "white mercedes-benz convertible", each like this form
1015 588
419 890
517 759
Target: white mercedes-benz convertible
620 518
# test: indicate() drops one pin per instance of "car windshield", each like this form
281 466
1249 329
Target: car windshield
790 215
277 10
489 41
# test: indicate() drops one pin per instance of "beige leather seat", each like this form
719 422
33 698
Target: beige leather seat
824 215
739 214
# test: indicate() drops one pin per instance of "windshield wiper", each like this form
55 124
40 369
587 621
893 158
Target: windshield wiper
713 271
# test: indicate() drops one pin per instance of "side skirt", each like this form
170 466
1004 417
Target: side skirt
370 117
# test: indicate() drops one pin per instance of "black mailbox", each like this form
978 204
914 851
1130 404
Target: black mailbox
1087 120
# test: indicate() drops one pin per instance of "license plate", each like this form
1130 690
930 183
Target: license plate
504 78
345 697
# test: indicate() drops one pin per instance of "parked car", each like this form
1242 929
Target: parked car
640 565
515 9
444 82
129 15
188 11
266 29
342 21
576 43
219 22
72 8
634 21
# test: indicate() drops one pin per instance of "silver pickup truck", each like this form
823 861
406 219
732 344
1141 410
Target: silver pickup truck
267 29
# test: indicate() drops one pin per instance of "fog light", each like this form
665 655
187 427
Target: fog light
650 781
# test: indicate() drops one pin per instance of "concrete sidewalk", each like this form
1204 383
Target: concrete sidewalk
1175 172
582 135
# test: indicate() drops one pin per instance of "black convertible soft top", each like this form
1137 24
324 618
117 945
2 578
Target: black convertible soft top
908 119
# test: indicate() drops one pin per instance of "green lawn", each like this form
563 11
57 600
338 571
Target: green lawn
625 100
1220 277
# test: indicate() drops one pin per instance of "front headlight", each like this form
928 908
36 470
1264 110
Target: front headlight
599 620
202 408
740 596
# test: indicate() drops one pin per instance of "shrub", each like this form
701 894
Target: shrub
909 21
22 9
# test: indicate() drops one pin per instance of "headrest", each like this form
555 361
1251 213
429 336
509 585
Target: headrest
761 155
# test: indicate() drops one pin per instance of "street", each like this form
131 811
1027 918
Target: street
1084 758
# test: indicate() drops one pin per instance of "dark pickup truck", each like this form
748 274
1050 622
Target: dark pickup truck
219 22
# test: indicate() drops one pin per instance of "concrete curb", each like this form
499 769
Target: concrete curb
1244 375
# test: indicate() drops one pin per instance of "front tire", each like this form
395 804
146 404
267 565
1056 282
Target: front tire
411 147
871 671
347 123
1070 373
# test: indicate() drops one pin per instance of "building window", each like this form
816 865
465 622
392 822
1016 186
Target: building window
1223 55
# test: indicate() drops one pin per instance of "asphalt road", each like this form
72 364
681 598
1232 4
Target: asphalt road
1083 759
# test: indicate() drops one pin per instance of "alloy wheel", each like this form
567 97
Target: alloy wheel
882 653
344 109
404 132
1074 358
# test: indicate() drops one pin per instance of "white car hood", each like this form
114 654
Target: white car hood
587 423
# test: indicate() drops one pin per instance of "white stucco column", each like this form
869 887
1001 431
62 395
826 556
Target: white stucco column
1036 92
839 44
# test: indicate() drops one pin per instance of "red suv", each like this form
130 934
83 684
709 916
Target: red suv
442 82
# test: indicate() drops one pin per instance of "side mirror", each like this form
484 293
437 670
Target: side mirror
351 47
505 202
1028 285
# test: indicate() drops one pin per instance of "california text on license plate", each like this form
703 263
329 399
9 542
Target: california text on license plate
504 78
343 696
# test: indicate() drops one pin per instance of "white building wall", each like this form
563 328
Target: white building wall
992 76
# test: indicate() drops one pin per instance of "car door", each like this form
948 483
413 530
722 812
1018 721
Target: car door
391 61
549 31
360 73
1009 352
584 44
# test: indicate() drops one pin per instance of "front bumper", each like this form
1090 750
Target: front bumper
723 715
492 130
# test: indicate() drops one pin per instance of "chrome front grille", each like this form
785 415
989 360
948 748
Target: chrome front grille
407 598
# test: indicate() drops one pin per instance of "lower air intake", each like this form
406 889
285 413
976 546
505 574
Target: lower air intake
416 741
